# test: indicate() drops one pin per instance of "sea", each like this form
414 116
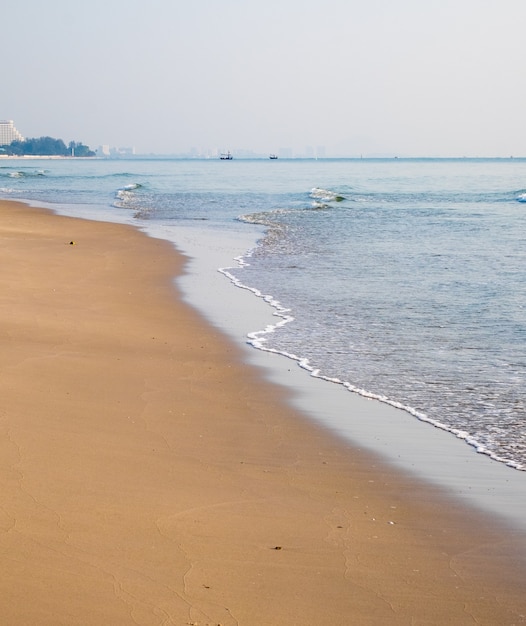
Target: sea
399 280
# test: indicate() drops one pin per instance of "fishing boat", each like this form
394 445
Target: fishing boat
273 156
226 156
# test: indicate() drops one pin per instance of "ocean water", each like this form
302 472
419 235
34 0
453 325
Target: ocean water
403 280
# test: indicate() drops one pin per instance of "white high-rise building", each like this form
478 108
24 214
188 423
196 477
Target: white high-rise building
8 133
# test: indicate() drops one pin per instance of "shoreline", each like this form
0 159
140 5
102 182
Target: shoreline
414 446
153 475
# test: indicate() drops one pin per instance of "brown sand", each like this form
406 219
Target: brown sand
149 477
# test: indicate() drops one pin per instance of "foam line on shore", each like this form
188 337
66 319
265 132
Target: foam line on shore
430 453
150 474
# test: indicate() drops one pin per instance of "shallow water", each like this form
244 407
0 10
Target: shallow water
402 279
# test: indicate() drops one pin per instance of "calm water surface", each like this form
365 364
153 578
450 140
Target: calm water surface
404 280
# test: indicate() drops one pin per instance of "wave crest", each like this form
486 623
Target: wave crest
325 195
125 195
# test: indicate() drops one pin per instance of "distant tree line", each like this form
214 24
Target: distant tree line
47 146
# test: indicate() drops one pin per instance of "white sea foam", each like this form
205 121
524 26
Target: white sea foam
258 339
358 416
325 195
125 195
306 248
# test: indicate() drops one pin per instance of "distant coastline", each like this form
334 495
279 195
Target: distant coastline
27 157
148 156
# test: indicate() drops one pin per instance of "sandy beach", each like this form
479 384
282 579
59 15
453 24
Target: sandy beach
150 476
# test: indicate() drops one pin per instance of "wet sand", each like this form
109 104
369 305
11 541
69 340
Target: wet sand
150 476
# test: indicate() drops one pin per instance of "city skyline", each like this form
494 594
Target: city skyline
9 133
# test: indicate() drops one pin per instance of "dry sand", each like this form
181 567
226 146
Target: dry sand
149 476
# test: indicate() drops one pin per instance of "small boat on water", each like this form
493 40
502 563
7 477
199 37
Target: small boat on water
273 156
226 156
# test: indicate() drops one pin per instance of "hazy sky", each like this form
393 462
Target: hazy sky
405 77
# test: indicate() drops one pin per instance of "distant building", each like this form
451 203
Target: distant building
125 151
103 151
8 133
114 153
